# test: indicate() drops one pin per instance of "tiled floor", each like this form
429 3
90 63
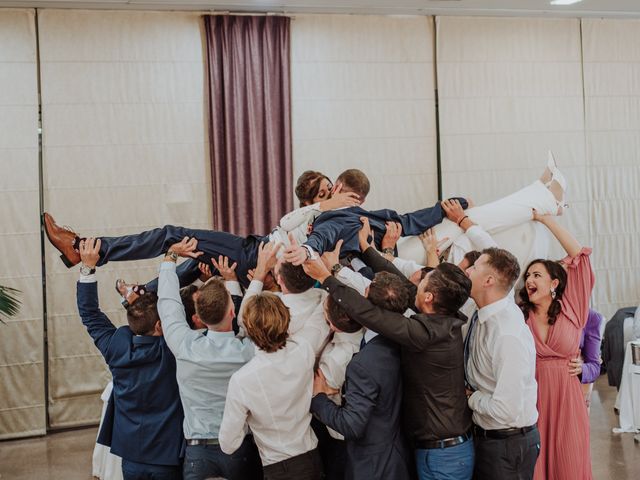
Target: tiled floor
67 455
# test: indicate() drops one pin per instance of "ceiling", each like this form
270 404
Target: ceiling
586 8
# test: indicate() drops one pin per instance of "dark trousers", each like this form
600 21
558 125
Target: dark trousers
508 458
207 461
144 471
153 243
307 466
333 452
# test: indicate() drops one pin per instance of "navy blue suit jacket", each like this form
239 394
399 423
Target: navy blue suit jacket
345 224
369 417
146 421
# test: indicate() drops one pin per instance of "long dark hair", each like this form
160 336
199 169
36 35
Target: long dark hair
308 185
556 272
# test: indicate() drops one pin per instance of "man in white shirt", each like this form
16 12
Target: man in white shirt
272 394
500 361
205 362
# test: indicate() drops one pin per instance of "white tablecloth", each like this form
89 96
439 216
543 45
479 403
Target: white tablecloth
106 466
628 400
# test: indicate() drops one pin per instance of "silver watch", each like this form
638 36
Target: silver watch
84 270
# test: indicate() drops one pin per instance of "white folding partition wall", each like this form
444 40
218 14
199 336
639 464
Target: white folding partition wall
125 150
363 97
510 89
125 147
22 397
612 99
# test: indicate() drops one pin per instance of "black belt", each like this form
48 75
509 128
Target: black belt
444 443
503 432
203 441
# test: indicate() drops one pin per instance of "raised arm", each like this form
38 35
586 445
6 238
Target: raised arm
97 323
267 258
570 244
306 215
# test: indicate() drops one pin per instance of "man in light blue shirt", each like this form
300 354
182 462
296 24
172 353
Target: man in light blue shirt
205 362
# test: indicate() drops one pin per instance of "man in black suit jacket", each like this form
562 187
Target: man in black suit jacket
369 417
144 421
437 418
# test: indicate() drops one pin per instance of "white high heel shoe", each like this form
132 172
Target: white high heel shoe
557 175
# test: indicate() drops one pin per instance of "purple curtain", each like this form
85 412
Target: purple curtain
250 121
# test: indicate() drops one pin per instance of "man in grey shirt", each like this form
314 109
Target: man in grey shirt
205 362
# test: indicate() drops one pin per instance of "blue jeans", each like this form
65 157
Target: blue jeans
207 461
452 463
144 471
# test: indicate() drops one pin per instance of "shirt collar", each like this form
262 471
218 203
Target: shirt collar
488 310
369 335
213 334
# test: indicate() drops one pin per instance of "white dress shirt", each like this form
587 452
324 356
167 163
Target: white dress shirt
308 322
272 395
501 367
204 363
475 238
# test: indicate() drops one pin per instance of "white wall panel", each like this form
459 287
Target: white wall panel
509 90
22 396
363 97
125 150
612 101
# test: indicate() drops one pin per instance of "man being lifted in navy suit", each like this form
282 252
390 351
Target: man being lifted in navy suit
327 229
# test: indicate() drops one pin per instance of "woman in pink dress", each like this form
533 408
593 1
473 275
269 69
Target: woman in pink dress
555 302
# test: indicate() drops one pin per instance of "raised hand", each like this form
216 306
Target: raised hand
340 200
294 253
365 234
331 257
227 272
205 271
90 251
391 236
267 258
186 248
316 269
453 210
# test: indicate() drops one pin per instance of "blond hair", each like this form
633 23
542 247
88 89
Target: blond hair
266 320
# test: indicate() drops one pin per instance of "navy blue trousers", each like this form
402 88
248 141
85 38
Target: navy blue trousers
153 243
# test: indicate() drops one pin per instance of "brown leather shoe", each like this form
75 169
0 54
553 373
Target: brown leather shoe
64 239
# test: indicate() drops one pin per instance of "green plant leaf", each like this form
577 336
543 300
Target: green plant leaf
9 303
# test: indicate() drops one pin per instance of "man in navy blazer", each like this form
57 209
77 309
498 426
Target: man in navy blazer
370 415
344 223
145 424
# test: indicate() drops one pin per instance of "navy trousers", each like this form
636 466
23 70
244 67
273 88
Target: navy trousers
153 243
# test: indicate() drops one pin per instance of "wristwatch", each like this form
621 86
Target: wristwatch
388 251
336 268
171 255
84 270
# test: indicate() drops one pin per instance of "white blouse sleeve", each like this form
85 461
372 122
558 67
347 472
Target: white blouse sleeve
300 216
